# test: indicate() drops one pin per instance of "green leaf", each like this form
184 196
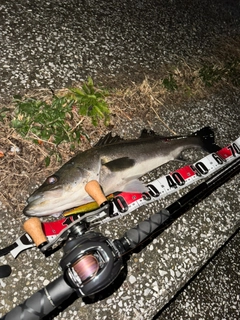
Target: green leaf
170 83
47 161
53 120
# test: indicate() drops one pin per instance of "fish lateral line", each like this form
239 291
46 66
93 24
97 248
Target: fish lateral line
124 203
179 178
113 167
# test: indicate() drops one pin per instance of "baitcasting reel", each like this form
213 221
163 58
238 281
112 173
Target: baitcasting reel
90 263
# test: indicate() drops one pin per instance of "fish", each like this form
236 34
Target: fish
117 165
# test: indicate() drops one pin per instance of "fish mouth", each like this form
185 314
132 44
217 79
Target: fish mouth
33 198
40 205
46 203
34 211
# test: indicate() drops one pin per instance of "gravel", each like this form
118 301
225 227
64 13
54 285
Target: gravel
154 275
214 292
54 44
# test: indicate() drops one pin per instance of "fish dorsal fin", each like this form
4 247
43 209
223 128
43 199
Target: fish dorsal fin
108 139
147 133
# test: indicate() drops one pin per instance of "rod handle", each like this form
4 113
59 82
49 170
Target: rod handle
94 189
33 227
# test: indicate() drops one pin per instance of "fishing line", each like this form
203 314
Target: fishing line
86 267
91 262
151 227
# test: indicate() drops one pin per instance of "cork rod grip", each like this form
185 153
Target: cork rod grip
33 227
93 188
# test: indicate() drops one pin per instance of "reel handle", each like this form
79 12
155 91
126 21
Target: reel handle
33 227
94 189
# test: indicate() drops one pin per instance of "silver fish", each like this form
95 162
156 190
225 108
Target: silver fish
116 164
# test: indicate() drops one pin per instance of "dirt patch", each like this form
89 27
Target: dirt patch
23 162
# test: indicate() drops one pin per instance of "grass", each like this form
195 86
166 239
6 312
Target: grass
54 118
54 126
59 118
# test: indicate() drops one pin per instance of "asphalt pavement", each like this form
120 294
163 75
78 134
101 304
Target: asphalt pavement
53 44
56 43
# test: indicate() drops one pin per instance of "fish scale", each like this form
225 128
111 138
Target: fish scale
125 203
116 164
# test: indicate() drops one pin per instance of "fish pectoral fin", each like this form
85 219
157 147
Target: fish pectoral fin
135 186
119 164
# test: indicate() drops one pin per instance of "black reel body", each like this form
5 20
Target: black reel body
90 263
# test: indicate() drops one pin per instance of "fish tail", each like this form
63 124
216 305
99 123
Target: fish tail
207 139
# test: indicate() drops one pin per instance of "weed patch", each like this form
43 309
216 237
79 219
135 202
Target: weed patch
59 119
213 74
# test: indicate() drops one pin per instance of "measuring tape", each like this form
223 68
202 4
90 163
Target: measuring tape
124 203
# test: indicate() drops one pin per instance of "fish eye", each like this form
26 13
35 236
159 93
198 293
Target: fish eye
52 180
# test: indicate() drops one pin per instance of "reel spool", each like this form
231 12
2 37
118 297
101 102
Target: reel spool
90 263
86 267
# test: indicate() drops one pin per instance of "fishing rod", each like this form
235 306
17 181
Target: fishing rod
91 261
118 204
